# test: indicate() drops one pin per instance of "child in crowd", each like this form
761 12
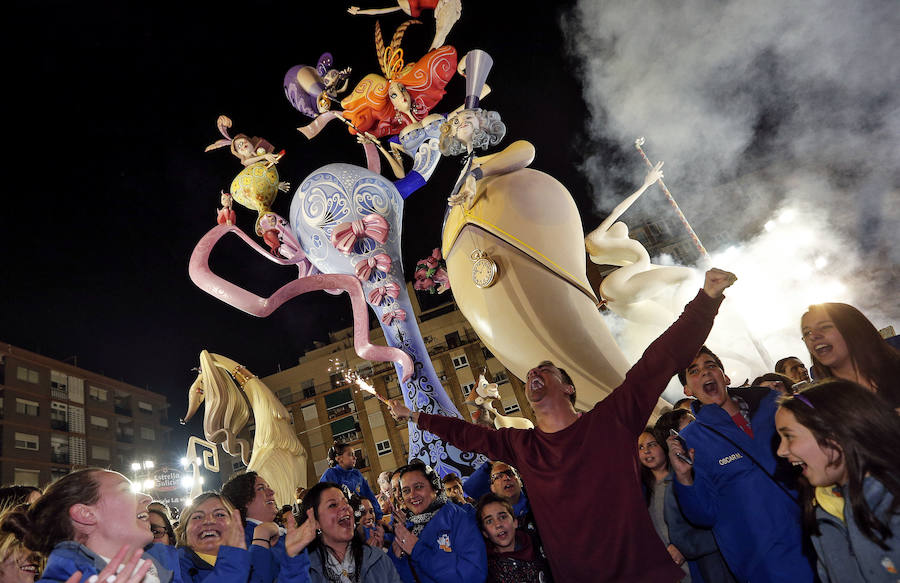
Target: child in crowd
512 556
342 471
845 440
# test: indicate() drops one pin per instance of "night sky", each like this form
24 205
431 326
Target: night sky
111 188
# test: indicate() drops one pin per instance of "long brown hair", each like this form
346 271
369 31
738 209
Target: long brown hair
876 360
46 522
864 433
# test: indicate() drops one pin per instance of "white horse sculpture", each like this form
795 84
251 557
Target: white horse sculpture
231 392
480 398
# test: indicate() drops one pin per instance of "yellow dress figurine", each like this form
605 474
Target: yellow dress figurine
257 185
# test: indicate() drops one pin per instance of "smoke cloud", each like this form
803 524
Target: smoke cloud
780 126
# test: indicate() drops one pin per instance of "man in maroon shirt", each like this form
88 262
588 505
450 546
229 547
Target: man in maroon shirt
581 469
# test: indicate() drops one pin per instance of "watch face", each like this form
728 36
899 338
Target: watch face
484 271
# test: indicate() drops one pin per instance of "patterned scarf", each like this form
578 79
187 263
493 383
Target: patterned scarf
420 521
340 572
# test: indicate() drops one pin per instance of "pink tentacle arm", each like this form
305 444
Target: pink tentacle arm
234 295
374 226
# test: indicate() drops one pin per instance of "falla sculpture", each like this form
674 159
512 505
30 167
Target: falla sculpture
343 232
226 388
513 243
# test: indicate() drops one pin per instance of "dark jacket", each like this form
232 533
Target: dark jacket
376 567
450 550
756 523
523 565
70 556
698 545
846 554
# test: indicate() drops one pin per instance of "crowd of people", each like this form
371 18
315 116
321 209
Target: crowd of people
789 478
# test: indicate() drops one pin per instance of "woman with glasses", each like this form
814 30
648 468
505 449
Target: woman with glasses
161 527
843 343
437 542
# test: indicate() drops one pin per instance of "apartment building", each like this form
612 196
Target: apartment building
326 408
55 417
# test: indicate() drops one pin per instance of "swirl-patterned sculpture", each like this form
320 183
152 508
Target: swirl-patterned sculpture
325 202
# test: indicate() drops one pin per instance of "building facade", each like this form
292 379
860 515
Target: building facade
326 408
56 417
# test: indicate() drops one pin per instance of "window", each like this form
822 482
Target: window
26 407
144 407
148 434
487 353
59 384
27 441
59 413
98 394
100 452
101 423
376 419
514 408
452 339
383 447
309 412
27 477
309 392
27 375
501 377
460 361
59 449
467 388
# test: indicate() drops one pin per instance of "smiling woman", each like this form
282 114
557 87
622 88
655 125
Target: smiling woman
86 517
440 541
843 343
211 541
338 553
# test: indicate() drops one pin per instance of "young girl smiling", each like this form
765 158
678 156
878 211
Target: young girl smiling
845 440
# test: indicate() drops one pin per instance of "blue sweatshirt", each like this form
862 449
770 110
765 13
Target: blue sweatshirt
354 480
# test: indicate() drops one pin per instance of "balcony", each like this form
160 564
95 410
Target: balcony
125 437
59 424
340 410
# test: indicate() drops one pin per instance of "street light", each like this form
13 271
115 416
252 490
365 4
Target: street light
135 466
148 465
148 484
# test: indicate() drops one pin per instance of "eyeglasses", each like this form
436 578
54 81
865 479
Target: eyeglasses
510 473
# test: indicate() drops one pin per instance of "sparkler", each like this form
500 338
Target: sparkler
363 385
350 376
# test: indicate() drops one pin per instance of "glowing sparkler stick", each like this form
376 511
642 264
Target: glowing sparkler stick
637 144
370 389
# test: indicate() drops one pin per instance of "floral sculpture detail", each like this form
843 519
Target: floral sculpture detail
431 274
